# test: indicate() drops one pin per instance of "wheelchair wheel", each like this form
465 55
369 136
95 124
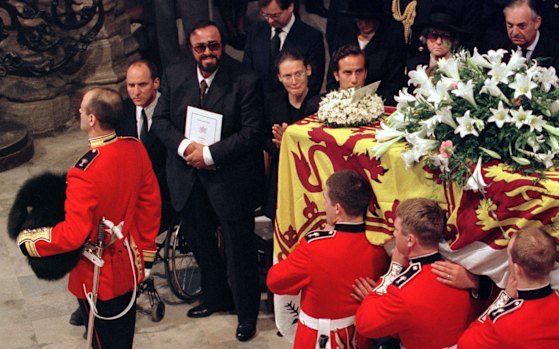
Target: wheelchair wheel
181 269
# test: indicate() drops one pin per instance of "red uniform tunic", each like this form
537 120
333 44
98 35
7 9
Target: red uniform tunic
418 309
323 267
114 180
531 321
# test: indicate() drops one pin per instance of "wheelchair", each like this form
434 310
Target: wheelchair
181 272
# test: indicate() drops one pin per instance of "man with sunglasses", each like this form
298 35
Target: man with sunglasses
280 30
219 184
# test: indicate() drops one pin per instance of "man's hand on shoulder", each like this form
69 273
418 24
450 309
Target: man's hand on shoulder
362 287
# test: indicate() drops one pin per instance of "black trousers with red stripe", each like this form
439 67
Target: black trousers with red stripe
113 334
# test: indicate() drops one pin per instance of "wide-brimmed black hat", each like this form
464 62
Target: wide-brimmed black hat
363 9
442 18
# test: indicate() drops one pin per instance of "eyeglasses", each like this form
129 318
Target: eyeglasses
298 76
272 16
434 35
212 45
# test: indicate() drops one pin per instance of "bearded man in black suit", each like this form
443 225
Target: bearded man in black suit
221 183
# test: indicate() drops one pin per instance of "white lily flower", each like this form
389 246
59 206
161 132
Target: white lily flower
546 159
516 60
449 67
420 144
500 73
495 56
441 162
535 141
430 125
386 133
500 116
523 85
397 120
466 91
491 87
479 60
439 94
466 125
419 77
380 148
404 99
476 182
445 116
535 122
409 157
547 77
520 117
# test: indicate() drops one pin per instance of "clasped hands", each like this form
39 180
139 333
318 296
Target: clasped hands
277 132
194 156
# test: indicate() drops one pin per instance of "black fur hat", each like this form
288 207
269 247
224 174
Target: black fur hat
40 203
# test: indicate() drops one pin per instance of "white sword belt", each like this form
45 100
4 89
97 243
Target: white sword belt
325 326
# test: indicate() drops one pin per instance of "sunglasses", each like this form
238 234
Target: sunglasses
212 45
433 35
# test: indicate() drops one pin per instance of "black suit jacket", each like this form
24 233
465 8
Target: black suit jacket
156 150
302 36
383 63
236 186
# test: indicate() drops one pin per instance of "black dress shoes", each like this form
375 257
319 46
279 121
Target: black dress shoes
76 318
202 310
245 331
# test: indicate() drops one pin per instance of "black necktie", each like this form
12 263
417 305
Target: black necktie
525 52
203 89
275 46
144 129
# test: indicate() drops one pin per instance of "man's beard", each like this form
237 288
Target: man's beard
209 67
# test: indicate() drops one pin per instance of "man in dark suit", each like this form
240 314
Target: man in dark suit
523 22
220 183
282 30
383 62
142 83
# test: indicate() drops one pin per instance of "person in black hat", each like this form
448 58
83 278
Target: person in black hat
368 32
441 38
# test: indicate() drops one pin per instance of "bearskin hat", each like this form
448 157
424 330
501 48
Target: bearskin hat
40 203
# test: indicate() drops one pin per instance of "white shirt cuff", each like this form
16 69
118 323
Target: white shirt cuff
182 147
208 159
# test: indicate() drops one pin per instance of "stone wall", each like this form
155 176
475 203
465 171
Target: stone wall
47 103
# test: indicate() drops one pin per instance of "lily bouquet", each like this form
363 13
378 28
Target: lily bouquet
474 109
351 107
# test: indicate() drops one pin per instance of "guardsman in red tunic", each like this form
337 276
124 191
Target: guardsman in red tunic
325 263
413 305
114 180
526 313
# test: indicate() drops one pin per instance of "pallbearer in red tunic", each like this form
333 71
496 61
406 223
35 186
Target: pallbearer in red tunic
325 263
113 180
415 307
526 313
